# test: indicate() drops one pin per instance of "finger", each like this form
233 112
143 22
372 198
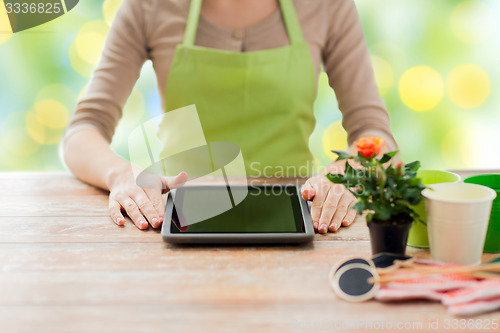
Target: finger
178 181
115 212
351 215
134 213
318 201
329 208
156 200
341 212
307 191
149 181
147 209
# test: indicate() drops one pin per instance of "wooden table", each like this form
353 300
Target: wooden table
65 267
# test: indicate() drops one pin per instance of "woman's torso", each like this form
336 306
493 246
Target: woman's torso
167 19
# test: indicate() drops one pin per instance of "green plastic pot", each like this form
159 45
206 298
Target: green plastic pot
492 242
418 233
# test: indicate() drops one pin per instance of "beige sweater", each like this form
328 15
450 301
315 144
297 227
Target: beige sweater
151 29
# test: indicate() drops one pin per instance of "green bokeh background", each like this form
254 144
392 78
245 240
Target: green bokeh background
44 70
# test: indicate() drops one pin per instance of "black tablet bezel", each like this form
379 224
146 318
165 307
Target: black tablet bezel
306 235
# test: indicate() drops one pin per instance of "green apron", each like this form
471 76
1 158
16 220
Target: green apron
262 100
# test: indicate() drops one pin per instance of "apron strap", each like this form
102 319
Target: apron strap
291 21
192 23
287 10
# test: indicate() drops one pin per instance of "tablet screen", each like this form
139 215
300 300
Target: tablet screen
265 209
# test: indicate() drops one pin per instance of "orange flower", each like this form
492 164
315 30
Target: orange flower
369 146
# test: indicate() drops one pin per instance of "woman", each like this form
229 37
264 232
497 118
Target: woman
251 68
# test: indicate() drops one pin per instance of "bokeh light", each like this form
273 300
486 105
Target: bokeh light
482 139
384 75
59 92
89 45
468 86
407 16
86 49
54 117
109 9
421 88
457 148
35 128
334 138
5 28
52 114
392 54
472 21
14 137
420 51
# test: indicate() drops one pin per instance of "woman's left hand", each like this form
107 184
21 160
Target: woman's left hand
331 204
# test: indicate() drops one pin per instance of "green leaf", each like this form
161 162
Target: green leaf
388 156
402 203
418 218
353 191
413 166
415 182
382 213
359 207
335 178
349 171
412 195
390 171
342 155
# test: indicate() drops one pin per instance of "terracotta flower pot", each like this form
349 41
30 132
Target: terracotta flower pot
389 237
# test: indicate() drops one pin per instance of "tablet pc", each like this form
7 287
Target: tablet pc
214 214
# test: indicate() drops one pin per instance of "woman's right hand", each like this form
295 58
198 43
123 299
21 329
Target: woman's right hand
143 204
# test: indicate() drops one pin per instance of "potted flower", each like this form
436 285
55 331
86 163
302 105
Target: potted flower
386 193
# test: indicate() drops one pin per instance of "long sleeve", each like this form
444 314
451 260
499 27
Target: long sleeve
124 54
348 66
145 29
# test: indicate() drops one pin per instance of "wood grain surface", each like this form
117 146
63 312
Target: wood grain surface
65 267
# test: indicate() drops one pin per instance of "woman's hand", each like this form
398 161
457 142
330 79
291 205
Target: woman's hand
143 204
89 156
331 203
